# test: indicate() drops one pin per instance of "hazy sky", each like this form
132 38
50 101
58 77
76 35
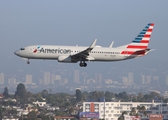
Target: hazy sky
74 22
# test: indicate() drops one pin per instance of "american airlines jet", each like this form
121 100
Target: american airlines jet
72 54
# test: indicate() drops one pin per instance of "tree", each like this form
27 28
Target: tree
122 96
133 112
20 93
44 93
78 95
108 96
5 93
96 95
141 110
122 115
1 111
32 115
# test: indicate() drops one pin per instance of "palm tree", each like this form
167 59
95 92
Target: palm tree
122 115
141 110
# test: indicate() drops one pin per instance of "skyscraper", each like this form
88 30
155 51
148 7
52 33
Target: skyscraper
53 78
148 79
46 78
12 81
28 79
125 81
1 79
130 78
76 76
100 78
142 79
166 79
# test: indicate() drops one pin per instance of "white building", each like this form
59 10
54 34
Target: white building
40 104
113 110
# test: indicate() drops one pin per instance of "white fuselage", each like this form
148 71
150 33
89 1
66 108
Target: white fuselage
53 52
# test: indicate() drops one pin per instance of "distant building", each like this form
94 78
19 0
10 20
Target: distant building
125 81
143 79
53 78
148 79
130 78
28 79
1 78
12 81
47 78
76 76
166 80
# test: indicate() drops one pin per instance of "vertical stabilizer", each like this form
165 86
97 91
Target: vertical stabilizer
143 38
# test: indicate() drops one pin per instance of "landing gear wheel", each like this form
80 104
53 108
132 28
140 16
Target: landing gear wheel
82 64
85 64
28 62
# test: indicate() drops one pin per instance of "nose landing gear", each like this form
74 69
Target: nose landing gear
82 64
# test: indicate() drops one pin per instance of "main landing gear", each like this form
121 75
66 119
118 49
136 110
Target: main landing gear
28 62
82 64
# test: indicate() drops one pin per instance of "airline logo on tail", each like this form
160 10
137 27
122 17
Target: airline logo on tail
140 44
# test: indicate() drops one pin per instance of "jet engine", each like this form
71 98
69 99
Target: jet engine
65 59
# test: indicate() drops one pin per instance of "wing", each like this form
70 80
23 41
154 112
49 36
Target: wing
84 55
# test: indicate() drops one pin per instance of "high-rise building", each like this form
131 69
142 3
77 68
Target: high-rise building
57 80
12 81
47 78
41 82
166 79
130 78
142 79
100 78
28 79
1 78
96 77
76 76
125 81
148 79
53 78
66 81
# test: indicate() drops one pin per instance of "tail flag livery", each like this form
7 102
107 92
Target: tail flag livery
140 44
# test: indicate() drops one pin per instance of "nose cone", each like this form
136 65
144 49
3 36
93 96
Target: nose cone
16 52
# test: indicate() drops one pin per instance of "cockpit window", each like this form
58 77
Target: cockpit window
22 48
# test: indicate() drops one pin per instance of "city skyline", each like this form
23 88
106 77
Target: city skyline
86 81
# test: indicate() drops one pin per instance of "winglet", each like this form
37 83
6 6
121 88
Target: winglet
93 44
111 45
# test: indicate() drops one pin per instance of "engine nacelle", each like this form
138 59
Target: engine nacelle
63 58
66 59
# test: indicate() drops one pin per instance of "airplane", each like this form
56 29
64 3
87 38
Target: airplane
73 54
